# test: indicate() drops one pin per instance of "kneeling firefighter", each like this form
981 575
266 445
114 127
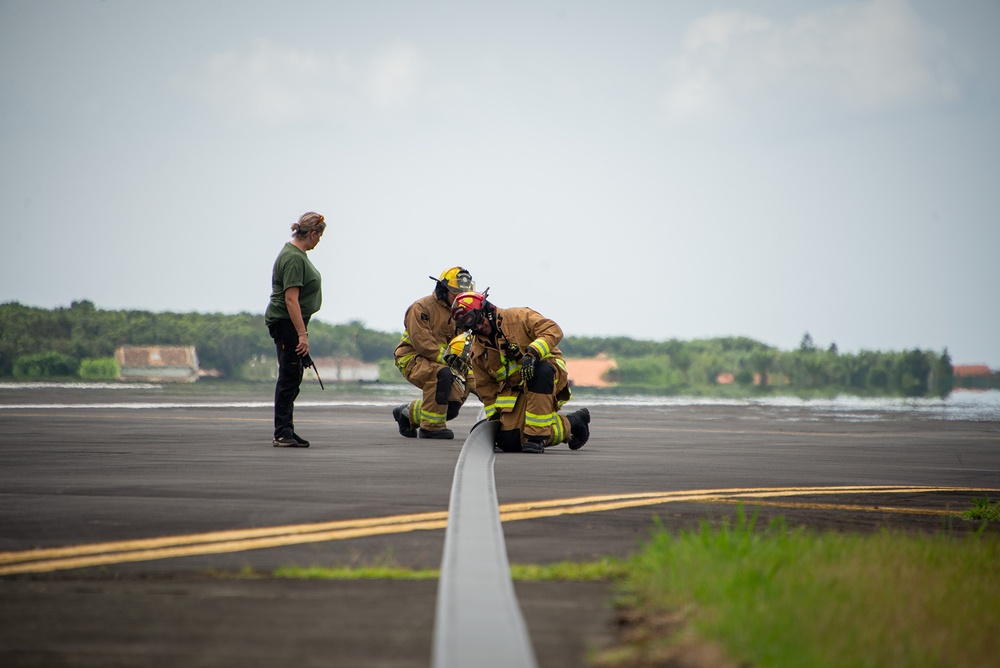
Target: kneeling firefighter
422 356
520 375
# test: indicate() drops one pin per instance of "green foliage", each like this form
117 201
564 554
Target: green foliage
224 342
352 340
779 597
104 368
44 365
388 372
604 570
694 367
648 371
257 368
348 573
983 509
240 347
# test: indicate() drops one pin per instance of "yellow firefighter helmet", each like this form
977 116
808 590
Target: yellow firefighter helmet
456 279
458 352
458 344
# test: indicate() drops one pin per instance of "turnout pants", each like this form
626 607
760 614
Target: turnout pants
533 414
430 413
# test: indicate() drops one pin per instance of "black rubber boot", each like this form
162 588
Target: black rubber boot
437 433
508 441
579 428
399 414
533 446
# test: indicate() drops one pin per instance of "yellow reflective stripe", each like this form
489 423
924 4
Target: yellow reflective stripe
440 357
541 347
551 420
406 338
540 419
432 418
506 402
535 420
560 363
558 432
490 410
403 361
502 373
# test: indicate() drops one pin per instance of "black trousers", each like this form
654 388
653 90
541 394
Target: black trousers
289 375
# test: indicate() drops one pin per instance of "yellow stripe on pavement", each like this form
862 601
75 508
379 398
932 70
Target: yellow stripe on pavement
239 540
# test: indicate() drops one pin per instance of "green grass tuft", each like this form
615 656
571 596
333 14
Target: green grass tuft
364 573
598 571
566 571
780 597
983 509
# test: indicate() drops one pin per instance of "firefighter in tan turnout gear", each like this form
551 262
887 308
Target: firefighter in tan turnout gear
520 375
423 357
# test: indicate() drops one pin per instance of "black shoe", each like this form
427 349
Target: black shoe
303 443
579 425
533 447
405 428
437 433
287 442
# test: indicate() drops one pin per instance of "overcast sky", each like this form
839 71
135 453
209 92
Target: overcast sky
649 169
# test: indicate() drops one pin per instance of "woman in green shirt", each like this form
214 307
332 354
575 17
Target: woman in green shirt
296 294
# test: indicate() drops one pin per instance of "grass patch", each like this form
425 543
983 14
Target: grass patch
567 571
780 597
984 510
597 571
347 573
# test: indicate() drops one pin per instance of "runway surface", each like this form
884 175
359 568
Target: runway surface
120 513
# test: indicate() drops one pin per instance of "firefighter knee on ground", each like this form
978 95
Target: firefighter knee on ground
520 375
426 359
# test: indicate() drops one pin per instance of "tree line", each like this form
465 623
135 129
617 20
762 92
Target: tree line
676 366
81 339
223 342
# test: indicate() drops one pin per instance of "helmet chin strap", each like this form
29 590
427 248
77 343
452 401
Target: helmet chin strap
490 315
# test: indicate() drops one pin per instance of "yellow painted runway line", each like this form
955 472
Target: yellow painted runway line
216 548
221 537
238 540
533 510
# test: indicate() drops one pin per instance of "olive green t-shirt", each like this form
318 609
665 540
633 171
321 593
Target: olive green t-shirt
293 269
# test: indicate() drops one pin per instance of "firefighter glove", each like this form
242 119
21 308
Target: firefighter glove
528 367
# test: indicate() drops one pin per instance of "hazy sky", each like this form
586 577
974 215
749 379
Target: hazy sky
648 169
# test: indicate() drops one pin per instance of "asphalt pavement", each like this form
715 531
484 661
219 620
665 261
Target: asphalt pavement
126 517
